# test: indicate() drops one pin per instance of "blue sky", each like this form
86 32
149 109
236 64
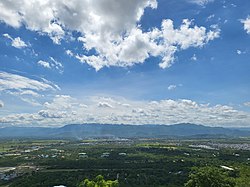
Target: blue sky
124 62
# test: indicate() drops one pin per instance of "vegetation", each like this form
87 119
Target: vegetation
209 177
135 163
99 182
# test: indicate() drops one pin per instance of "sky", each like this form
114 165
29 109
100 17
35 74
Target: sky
124 62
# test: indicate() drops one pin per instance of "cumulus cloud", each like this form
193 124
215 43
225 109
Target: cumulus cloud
55 16
16 42
111 28
35 15
50 114
64 109
137 46
9 15
104 105
246 23
44 64
60 102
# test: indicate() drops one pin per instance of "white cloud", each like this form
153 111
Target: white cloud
52 63
30 101
51 114
27 96
69 52
52 17
64 109
200 2
1 104
60 102
104 105
44 64
239 52
210 17
246 23
16 42
233 5
29 92
109 27
27 89
56 64
9 81
9 15
137 46
172 87
187 35
247 103
35 15
194 57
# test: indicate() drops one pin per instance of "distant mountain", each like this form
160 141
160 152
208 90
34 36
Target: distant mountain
241 128
81 131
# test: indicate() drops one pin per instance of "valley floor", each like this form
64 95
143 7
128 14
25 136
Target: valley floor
134 162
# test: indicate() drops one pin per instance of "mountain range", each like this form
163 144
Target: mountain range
81 131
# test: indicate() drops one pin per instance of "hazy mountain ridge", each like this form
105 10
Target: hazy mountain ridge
79 131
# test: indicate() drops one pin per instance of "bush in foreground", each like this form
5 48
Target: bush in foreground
209 177
99 182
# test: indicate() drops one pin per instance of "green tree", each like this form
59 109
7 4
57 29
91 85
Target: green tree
209 177
99 182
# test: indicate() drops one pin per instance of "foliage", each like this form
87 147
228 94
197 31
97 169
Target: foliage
147 163
99 182
209 177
